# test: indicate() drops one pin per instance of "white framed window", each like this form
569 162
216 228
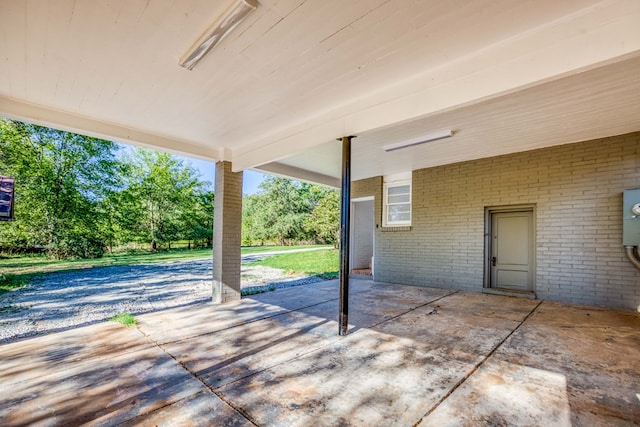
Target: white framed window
397 204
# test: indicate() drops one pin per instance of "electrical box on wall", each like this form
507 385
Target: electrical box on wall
631 218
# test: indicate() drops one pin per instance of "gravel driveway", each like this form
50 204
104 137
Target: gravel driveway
60 301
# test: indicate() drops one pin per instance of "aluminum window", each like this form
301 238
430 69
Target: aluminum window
397 204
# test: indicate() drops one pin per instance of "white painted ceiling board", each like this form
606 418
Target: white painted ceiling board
590 105
291 67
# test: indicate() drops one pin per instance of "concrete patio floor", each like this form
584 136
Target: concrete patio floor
413 356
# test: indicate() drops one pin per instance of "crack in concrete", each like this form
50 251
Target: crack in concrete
478 365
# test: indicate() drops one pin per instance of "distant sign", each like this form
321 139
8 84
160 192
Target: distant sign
6 198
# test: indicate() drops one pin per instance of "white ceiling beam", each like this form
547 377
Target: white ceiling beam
300 174
43 116
600 35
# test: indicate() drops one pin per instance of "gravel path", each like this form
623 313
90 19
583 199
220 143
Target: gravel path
60 301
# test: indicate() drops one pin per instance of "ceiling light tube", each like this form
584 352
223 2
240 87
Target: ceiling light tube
420 140
216 32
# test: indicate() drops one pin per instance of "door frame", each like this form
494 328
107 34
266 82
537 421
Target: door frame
488 216
352 242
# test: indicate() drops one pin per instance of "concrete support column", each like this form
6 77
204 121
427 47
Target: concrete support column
227 234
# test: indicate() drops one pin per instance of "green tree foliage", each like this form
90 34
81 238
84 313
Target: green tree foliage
169 201
77 196
324 221
283 211
60 180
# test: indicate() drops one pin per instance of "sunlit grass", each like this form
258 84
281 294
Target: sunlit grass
260 249
9 282
125 319
322 263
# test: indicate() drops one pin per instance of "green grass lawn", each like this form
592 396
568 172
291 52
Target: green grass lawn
16 272
262 249
323 263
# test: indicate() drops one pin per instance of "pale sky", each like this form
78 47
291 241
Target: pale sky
250 182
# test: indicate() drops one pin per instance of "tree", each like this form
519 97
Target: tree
60 179
284 210
166 194
197 219
324 221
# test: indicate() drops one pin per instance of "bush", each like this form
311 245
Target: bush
77 244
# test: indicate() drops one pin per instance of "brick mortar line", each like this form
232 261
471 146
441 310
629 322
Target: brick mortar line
478 365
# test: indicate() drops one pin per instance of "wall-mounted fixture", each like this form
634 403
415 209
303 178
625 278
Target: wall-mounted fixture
216 32
631 225
419 140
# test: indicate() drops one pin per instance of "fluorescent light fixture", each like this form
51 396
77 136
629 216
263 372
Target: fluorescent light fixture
420 140
216 32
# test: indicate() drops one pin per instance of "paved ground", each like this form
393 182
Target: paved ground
59 301
413 356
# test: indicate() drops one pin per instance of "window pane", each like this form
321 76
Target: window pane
398 204
399 217
400 198
399 213
400 189
405 207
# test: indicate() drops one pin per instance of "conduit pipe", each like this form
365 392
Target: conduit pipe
633 255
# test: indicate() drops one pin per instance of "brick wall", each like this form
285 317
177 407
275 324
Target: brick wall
370 187
227 234
577 193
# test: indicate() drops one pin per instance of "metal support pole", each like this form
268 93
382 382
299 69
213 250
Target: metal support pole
345 213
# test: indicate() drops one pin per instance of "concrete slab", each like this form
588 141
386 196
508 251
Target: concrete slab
192 321
414 356
389 374
236 352
566 365
29 359
104 374
203 409
367 379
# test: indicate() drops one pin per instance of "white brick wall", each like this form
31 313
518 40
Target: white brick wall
227 232
577 191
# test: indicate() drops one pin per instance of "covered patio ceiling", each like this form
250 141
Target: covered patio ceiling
505 76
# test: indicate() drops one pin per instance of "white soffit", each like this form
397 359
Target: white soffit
589 38
595 104
295 74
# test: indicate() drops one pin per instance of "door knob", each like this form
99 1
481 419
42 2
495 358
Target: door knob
493 261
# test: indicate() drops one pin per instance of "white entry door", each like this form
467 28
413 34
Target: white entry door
512 250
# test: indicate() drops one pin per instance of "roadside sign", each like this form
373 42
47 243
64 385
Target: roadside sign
6 198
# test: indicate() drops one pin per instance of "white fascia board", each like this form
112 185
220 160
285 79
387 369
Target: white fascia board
288 171
57 119
402 176
593 37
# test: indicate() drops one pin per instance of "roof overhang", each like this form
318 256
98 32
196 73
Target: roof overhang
505 76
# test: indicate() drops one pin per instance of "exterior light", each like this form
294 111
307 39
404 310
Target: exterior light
420 140
216 32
